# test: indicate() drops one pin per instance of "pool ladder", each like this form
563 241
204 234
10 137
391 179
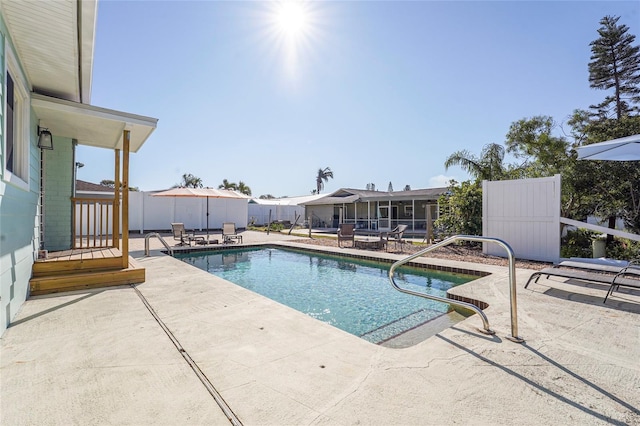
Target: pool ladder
512 282
164 243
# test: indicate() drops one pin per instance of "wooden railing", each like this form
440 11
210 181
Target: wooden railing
92 222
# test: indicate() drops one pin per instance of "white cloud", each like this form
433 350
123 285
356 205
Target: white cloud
441 181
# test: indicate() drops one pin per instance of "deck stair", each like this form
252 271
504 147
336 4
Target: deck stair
83 269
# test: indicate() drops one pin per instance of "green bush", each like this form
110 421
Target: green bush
623 249
277 227
577 243
461 210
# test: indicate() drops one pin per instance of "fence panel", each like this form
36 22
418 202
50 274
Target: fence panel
525 213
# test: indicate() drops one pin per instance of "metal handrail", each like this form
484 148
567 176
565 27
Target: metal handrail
155 234
512 282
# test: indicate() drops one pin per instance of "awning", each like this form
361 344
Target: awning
91 125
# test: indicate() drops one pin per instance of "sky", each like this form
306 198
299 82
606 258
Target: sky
378 91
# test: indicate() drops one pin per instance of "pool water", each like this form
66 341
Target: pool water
352 295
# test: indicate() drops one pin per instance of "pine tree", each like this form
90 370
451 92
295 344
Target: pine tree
615 64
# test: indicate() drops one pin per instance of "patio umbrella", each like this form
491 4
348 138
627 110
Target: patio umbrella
200 193
622 149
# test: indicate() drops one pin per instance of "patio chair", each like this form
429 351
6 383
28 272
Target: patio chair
181 234
346 232
230 233
613 275
395 235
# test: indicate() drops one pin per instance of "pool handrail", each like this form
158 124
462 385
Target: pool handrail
155 234
512 282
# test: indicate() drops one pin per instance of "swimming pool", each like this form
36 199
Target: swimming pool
350 294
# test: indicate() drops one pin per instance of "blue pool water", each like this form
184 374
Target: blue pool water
349 294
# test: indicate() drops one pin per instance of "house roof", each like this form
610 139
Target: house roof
54 41
350 195
286 201
85 186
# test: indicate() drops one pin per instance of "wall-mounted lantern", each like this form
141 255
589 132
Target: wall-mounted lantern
45 138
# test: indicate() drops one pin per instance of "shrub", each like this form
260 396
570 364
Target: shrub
577 243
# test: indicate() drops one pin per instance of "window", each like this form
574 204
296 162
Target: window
16 125
408 210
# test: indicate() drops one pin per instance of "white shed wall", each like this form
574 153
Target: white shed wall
260 213
524 213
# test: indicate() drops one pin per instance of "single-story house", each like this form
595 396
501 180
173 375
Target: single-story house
376 210
47 52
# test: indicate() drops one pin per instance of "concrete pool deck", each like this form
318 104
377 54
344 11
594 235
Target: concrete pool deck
167 351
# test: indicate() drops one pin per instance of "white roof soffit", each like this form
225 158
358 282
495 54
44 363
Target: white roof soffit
91 125
55 43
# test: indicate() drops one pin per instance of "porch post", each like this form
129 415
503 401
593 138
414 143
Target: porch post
125 199
413 214
116 201
429 234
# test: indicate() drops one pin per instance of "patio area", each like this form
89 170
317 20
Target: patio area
186 347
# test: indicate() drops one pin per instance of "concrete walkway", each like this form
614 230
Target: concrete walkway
184 343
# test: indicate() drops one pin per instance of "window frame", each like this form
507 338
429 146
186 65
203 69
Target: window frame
21 129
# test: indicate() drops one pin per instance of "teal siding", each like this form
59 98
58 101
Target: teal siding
58 180
18 220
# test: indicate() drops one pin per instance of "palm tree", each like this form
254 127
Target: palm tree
190 181
323 176
227 185
243 188
489 166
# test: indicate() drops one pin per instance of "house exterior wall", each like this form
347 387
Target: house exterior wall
367 214
58 180
19 231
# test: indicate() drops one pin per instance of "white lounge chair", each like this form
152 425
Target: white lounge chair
614 275
230 233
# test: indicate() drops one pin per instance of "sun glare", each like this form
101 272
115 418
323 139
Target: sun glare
291 18
293 31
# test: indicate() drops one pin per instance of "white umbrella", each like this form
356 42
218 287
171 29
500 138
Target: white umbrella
201 193
622 149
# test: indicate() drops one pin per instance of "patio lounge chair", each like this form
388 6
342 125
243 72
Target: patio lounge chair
346 232
395 235
613 275
230 233
181 234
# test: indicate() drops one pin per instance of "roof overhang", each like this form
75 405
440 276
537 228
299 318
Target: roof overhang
90 125
331 200
55 43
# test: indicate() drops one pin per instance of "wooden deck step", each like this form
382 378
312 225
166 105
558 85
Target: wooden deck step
83 279
45 269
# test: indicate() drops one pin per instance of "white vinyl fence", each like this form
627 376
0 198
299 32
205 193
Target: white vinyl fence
147 212
524 213
259 213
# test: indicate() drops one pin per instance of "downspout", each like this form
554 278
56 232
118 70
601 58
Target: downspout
41 217
74 143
